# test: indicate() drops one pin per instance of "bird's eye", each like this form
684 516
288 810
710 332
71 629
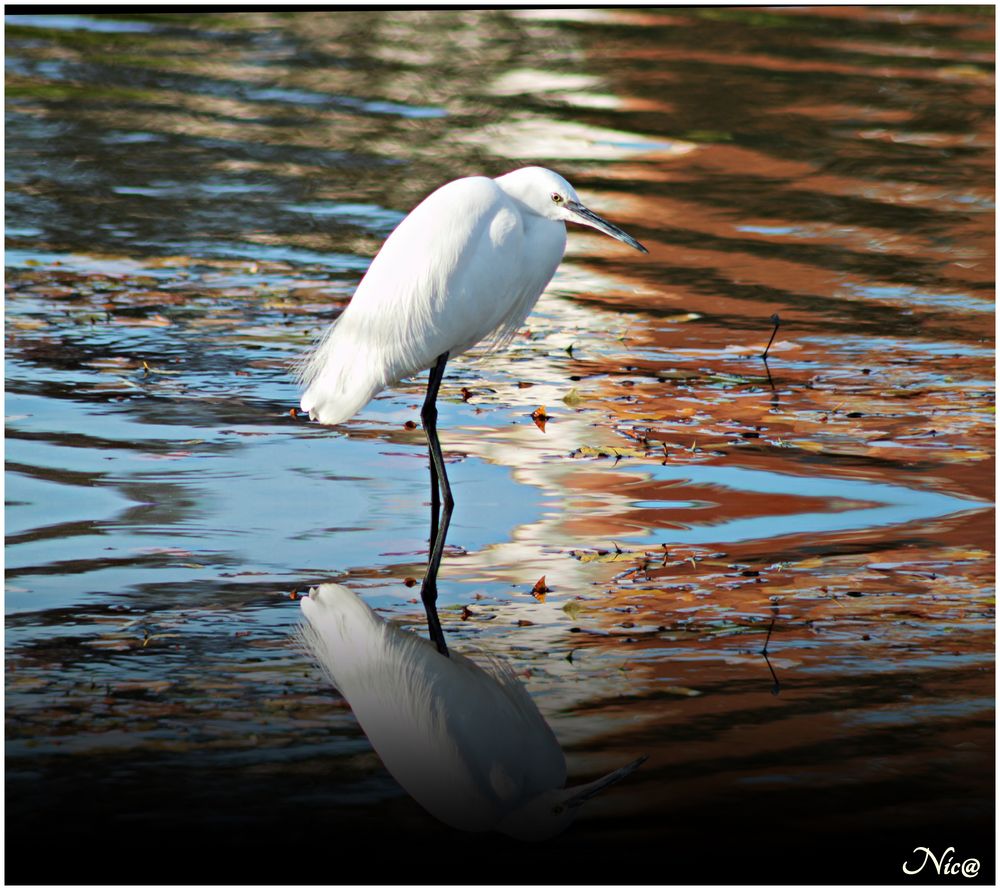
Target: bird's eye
557 810
557 198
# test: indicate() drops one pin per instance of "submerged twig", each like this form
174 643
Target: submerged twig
776 688
776 321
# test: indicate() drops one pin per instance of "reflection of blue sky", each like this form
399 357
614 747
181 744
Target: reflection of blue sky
895 347
248 501
103 24
32 502
914 296
216 276
272 500
894 504
272 253
253 501
288 96
369 216
175 189
891 293
922 714
78 262
774 230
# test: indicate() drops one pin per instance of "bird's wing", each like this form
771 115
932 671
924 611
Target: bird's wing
445 279
541 251
516 753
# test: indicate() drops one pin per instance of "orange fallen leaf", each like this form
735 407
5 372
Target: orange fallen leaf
540 588
540 417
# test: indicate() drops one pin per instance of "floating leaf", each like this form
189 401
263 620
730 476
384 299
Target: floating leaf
540 417
149 369
540 588
608 451
150 321
572 608
969 71
974 455
708 136
726 378
681 690
969 554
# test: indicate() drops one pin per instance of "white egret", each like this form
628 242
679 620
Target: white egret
466 741
465 266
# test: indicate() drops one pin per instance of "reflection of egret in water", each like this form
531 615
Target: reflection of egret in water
465 740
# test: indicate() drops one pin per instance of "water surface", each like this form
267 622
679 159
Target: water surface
191 198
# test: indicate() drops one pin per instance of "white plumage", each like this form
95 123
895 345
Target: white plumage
465 266
464 739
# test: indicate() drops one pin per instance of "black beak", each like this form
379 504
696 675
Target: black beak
583 793
589 218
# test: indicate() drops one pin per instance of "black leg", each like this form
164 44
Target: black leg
435 492
776 321
439 530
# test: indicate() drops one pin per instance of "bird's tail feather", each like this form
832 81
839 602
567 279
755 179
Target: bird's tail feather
357 649
338 378
337 631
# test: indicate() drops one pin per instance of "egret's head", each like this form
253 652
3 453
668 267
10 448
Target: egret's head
551 196
551 812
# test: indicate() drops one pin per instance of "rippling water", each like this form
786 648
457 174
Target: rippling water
192 197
